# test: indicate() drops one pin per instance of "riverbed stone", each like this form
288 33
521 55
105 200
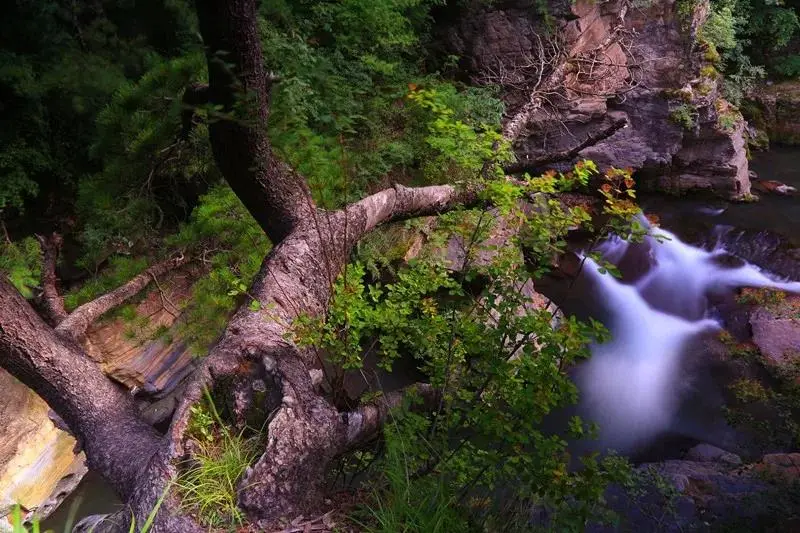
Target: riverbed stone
783 465
708 453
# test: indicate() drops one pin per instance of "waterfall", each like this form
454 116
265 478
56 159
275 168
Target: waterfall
632 385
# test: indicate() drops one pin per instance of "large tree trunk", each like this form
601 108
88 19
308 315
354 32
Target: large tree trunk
101 415
276 196
311 247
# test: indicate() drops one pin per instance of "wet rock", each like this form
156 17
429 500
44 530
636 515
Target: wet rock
774 187
38 465
707 453
776 330
89 523
771 251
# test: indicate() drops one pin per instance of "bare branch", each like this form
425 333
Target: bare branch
368 420
532 164
52 301
76 324
400 203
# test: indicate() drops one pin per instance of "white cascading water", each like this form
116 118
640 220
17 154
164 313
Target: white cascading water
631 385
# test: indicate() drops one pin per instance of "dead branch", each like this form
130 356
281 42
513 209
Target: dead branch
75 325
368 420
535 163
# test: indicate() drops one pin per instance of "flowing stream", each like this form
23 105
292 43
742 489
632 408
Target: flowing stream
634 384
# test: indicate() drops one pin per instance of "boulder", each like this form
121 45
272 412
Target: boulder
776 330
681 133
706 453
785 466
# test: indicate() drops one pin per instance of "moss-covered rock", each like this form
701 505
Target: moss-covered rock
776 110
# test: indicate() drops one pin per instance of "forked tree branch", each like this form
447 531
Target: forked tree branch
117 441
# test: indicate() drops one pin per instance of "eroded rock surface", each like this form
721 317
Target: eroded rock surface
611 61
38 465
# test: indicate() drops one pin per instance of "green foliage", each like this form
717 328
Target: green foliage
468 148
145 163
59 64
748 33
340 114
483 457
120 269
788 66
21 261
222 232
207 482
684 116
720 28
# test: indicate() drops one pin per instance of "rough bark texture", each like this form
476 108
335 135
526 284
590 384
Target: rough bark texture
101 415
52 302
274 193
306 431
311 247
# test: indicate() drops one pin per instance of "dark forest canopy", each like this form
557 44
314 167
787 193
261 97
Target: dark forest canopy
265 141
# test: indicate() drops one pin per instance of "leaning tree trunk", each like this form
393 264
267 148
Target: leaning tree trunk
305 431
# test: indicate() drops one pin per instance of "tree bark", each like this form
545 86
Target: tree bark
74 326
276 195
52 302
101 415
311 248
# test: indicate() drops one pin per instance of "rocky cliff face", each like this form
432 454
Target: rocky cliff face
571 72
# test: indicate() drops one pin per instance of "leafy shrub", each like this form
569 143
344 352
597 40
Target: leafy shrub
788 66
720 28
223 233
120 269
